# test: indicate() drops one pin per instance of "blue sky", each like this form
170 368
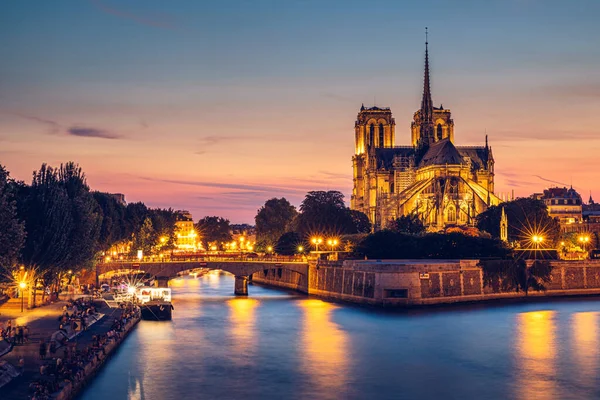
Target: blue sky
218 106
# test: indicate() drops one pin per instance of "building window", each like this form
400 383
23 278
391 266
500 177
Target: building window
371 134
381 136
439 131
451 214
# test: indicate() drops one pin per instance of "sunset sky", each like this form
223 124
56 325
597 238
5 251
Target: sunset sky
216 106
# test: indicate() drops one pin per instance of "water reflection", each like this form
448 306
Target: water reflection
536 355
325 348
585 334
242 320
154 377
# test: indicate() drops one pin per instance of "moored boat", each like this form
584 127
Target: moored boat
155 303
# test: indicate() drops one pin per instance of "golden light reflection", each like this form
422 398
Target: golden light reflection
325 348
213 278
242 330
536 355
585 346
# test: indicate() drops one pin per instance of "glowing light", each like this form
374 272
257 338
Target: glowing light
270 249
140 254
163 239
22 285
300 249
131 290
107 258
213 248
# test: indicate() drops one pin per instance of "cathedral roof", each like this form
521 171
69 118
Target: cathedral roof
441 153
478 155
385 156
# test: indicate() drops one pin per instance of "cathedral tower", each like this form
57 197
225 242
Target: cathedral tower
374 128
430 124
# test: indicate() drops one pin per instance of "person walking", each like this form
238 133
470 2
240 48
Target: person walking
21 365
43 349
26 334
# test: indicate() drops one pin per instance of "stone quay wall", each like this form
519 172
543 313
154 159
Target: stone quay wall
71 390
423 282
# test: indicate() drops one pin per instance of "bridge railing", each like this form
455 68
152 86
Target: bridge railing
208 258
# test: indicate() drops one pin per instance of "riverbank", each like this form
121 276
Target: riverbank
423 283
43 323
100 354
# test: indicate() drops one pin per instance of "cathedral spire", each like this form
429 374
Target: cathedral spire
426 102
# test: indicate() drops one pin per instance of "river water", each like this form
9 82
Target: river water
280 345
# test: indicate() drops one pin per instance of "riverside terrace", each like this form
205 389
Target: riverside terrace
240 266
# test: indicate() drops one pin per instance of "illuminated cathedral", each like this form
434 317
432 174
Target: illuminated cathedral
432 179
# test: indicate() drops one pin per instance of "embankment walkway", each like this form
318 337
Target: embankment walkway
42 323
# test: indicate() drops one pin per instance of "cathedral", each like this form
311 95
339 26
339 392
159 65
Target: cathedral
432 179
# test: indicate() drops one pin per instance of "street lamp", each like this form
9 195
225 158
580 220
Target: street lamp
332 243
584 240
22 285
537 240
269 249
317 241
300 249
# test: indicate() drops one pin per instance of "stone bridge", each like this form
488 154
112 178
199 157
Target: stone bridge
241 268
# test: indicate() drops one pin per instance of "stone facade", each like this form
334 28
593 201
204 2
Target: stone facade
440 183
424 282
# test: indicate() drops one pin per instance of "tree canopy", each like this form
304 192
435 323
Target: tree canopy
214 230
526 217
274 219
325 213
12 229
408 224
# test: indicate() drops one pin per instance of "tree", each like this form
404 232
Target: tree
214 229
394 245
325 213
273 219
144 239
408 224
512 274
359 222
387 244
288 243
526 217
87 218
113 227
12 229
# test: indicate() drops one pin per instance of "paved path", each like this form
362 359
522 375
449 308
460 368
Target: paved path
42 323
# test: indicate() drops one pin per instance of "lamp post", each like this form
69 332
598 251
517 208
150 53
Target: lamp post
22 286
332 243
537 240
317 241
584 240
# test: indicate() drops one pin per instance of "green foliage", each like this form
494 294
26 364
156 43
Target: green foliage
214 229
409 224
12 230
288 244
512 274
86 217
273 220
145 238
526 217
388 244
325 213
46 209
113 228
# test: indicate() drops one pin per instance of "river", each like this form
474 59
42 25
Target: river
280 345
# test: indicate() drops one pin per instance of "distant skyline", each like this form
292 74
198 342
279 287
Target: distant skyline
216 107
